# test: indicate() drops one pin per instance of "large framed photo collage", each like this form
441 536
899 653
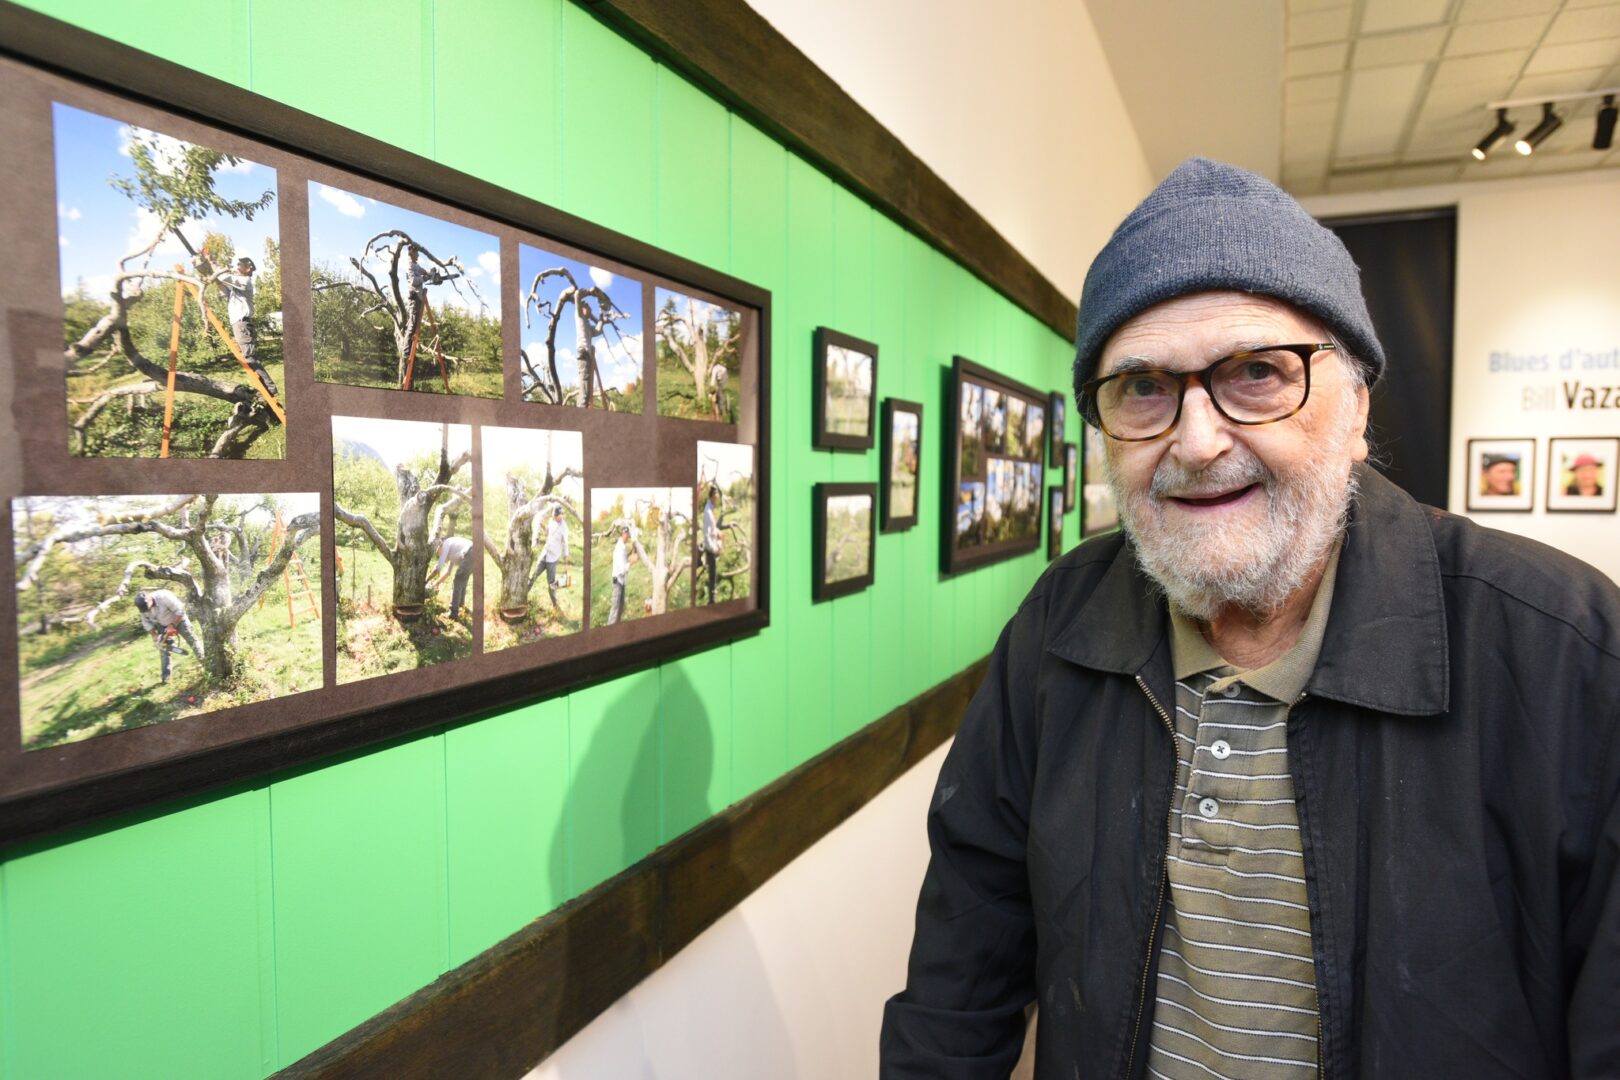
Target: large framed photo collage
317 443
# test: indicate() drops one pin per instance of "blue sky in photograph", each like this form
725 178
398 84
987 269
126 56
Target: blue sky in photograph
398 441
341 222
731 461
618 357
507 448
97 224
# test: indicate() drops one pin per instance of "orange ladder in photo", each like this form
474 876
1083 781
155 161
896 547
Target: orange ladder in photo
410 363
230 343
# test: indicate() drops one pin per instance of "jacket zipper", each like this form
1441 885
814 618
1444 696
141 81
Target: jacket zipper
1164 879
1321 1056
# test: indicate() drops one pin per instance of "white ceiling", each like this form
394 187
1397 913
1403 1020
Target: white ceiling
1367 94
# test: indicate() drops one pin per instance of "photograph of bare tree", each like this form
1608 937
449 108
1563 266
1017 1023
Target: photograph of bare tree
1014 436
138 610
970 514
698 348
1034 433
402 516
725 491
170 265
402 300
970 436
641 552
901 467
534 535
582 339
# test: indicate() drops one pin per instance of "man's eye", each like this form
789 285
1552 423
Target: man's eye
1140 388
1258 371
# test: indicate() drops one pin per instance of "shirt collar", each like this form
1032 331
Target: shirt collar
1385 644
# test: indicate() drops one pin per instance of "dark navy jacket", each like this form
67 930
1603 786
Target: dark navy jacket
1456 767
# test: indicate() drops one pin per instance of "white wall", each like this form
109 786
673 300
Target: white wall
1538 272
1014 106
790 985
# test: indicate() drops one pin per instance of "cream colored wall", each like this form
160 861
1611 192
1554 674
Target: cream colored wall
1014 106
1537 274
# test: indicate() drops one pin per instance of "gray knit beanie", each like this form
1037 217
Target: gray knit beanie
1215 226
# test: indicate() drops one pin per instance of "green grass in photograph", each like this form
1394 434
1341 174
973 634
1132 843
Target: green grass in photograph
371 641
849 532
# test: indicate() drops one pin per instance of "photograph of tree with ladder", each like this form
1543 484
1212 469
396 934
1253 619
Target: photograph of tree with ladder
582 340
137 610
170 266
403 532
698 346
725 491
534 535
641 552
402 300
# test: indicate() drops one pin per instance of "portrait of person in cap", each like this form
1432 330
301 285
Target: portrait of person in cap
1249 787
1501 474
1582 474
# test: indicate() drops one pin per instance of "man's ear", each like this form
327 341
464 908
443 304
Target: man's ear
1358 442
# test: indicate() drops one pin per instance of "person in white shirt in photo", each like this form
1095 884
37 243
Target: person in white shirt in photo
163 615
556 550
455 557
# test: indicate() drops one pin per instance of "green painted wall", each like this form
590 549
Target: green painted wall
232 934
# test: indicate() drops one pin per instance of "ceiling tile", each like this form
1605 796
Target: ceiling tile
1380 15
1314 60
1481 10
1300 6
1313 89
1574 56
1375 180
1560 82
1376 106
1318 27
1470 39
1418 175
1405 47
1585 24
1568 162
1500 67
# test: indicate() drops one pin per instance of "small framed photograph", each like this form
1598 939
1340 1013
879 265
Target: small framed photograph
1501 474
845 401
1580 475
1099 515
902 463
845 539
1056 430
1071 475
1054 523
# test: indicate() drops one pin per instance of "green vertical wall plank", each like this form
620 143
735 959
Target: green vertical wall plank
365 64
759 255
135 952
607 126
506 779
693 169
808 303
694 731
360 911
210 36
505 129
888 621
612 810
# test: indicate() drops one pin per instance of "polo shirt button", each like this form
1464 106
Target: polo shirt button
1208 807
1231 690
1221 749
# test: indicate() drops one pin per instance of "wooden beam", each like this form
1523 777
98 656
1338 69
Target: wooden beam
729 49
507 1009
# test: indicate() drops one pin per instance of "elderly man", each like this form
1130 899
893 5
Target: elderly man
1293 776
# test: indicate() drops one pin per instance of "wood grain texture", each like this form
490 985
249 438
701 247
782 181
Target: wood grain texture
728 48
507 1009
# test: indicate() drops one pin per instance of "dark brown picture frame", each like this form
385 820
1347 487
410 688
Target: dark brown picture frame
1057 407
821 438
893 522
822 589
954 558
48 789
1527 479
1553 470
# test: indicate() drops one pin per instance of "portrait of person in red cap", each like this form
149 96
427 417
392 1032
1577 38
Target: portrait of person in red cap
1586 476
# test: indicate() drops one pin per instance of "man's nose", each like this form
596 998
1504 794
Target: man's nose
1203 433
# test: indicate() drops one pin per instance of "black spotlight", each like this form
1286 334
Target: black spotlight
1550 122
1503 128
1603 138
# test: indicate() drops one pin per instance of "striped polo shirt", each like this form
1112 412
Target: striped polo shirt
1236 993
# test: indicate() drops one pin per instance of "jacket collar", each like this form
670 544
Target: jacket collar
1385 647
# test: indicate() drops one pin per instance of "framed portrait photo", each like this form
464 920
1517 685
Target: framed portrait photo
902 463
1501 474
1054 523
1580 475
845 391
1057 431
845 539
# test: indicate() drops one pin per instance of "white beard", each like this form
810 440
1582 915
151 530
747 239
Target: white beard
1256 564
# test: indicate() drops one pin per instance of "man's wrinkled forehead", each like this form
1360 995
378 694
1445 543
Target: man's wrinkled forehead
1194 330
